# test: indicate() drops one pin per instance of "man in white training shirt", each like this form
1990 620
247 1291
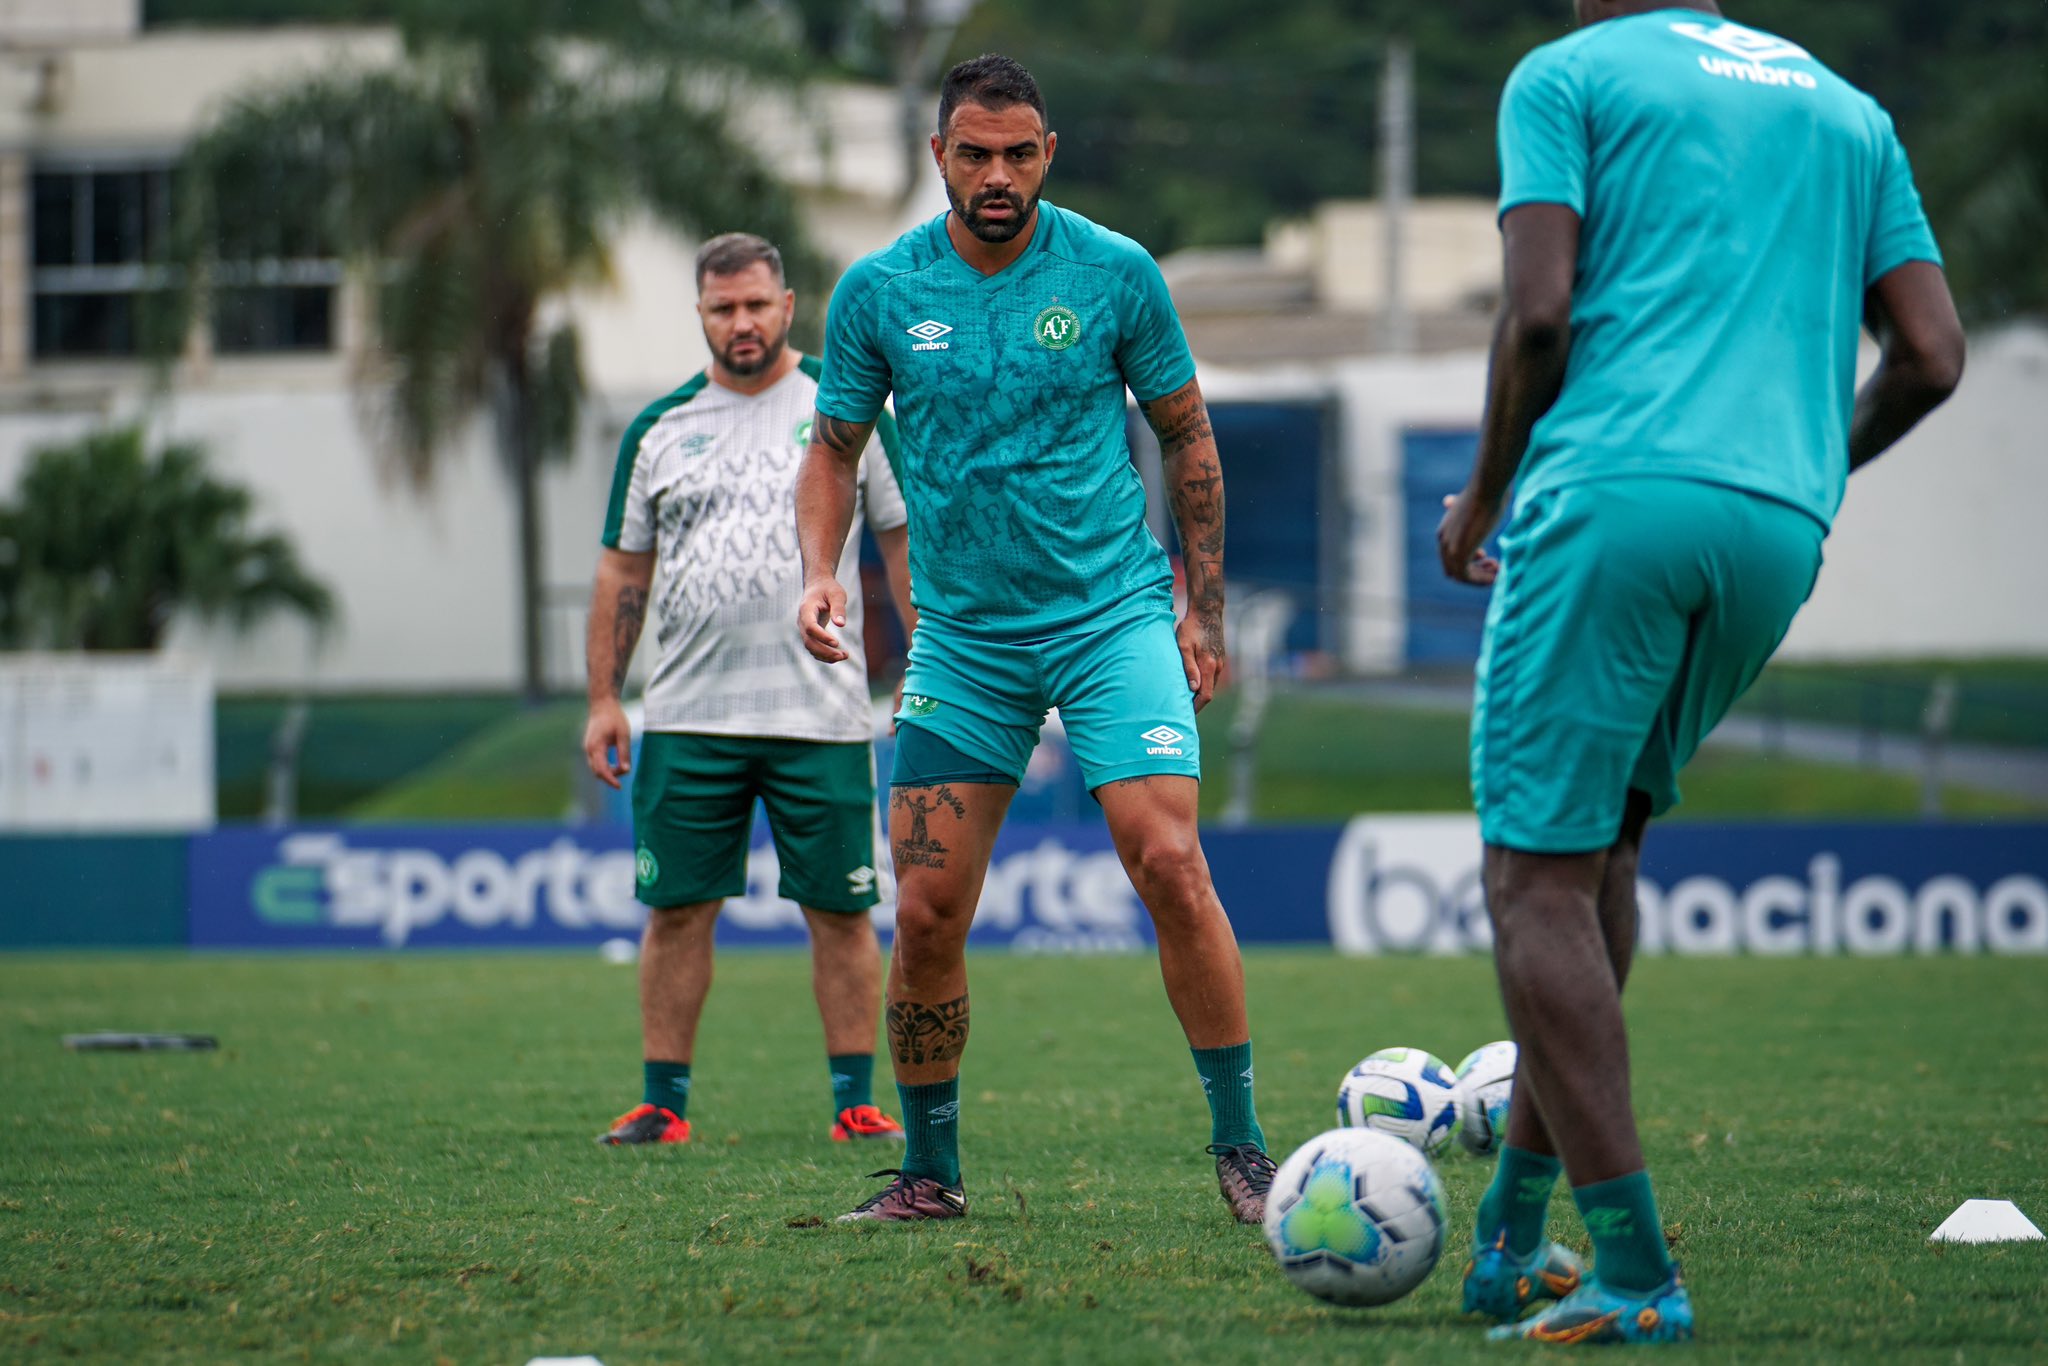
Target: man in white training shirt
702 513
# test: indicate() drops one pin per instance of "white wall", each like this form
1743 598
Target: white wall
1935 552
1937 549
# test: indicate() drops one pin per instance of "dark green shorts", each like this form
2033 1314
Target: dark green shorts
693 813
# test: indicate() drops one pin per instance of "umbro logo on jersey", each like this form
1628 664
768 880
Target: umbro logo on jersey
1165 740
694 444
1747 52
1746 43
928 333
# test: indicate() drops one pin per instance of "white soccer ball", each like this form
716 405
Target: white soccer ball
1487 1077
1406 1092
1356 1217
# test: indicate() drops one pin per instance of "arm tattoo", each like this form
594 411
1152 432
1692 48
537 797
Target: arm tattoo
921 849
1198 505
928 1033
840 436
1179 419
631 615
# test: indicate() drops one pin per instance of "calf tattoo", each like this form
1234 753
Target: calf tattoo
921 849
921 1033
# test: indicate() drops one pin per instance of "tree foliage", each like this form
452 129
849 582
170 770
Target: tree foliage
102 546
483 177
1197 122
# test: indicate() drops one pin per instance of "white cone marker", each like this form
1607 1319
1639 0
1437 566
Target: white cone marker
1986 1221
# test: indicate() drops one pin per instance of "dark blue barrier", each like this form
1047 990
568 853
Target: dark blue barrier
1378 885
85 891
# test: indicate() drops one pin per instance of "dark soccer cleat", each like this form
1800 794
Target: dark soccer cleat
647 1124
1244 1173
865 1122
907 1198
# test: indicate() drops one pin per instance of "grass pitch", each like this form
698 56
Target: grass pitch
391 1158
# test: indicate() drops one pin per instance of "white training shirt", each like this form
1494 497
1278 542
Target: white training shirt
706 479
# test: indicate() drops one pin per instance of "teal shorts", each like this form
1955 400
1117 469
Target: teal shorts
1629 615
1121 690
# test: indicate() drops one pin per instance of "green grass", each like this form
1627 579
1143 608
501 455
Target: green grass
525 767
1324 758
390 1158
353 747
1998 701
1321 758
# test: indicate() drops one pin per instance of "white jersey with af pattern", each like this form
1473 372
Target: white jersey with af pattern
707 480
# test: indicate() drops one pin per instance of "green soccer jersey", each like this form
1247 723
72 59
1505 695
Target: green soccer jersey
1027 517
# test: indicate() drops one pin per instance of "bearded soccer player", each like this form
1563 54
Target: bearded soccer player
701 515
1008 330
1696 217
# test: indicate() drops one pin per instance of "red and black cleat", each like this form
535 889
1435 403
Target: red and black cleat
646 1124
865 1122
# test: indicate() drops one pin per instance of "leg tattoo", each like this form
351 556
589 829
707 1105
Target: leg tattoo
928 1033
921 850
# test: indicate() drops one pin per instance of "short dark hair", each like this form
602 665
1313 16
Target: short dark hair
732 252
992 81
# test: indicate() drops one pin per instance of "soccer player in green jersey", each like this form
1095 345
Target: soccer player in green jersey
1008 331
1696 217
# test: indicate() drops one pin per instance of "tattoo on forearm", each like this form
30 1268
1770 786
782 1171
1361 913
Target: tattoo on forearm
1179 419
845 438
921 1033
921 849
631 615
1198 506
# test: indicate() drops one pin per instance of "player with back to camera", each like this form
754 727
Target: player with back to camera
701 514
1008 330
1696 218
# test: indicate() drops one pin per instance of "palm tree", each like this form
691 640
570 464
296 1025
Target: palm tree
103 546
480 177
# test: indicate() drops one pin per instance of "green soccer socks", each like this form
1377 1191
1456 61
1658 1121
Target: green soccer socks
1227 1082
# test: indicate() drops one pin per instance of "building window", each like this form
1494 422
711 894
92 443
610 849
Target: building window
98 236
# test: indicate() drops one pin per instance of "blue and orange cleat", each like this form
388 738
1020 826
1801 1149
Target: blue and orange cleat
1501 1285
646 1123
865 1122
1596 1315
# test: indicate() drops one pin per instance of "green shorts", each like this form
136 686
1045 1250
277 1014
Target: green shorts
1629 615
1121 690
693 816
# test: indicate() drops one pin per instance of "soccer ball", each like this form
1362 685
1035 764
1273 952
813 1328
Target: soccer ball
1406 1092
1487 1077
1356 1217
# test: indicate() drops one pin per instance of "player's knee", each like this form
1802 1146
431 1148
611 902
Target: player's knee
678 924
921 920
1168 870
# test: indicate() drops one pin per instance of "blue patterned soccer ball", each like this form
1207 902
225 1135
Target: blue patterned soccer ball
1406 1092
1356 1217
1487 1077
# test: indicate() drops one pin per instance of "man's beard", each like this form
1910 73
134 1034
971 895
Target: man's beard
987 230
770 352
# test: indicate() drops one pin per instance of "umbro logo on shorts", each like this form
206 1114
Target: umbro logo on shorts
860 880
928 333
1165 740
